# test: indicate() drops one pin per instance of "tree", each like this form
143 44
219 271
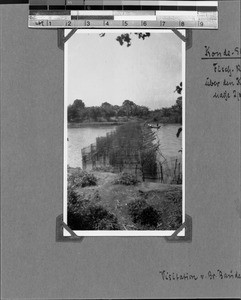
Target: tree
93 113
76 111
79 104
179 102
126 38
108 110
72 113
129 107
166 112
142 111
106 105
179 105
178 88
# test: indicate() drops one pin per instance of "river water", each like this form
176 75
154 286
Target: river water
83 137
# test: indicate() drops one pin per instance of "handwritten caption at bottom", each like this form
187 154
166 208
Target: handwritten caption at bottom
210 275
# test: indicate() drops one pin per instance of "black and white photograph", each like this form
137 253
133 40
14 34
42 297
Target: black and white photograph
124 139
120 153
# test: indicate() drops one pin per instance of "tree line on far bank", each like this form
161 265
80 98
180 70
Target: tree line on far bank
79 113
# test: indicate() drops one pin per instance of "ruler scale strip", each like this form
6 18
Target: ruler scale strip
123 14
125 5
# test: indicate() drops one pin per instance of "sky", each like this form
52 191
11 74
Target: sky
100 70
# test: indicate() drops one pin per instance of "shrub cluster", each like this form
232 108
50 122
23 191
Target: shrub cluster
143 213
135 208
126 179
72 197
173 219
83 215
175 196
149 216
81 179
92 217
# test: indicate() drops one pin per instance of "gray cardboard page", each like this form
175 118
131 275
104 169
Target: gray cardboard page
34 265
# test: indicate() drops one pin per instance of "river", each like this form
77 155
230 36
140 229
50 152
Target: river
79 138
169 143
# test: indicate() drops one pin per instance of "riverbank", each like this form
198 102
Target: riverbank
112 123
164 199
94 124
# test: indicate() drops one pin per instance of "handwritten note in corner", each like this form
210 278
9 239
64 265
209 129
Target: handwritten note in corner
209 275
224 80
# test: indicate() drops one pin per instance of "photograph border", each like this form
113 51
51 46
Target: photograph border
128 233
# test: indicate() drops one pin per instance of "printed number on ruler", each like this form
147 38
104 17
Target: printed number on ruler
68 23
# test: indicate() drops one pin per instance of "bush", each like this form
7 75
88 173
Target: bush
92 217
72 196
173 217
149 216
175 196
143 213
88 180
74 201
110 223
126 179
81 179
135 209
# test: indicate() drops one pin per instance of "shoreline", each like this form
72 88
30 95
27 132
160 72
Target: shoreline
94 124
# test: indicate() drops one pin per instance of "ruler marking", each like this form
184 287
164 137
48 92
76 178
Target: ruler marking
46 13
38 7
125 13
139 18
57 7
113 7
97 12
139 13
86 17
51 18
77 7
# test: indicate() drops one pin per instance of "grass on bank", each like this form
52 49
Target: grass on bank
108 205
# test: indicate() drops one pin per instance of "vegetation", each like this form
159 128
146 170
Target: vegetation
79 113
135 209
111 207
157 210
72 196
92 217
171 114
81 179
172 209
169 207
126 38
143 213
126 179
84 215
149 216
